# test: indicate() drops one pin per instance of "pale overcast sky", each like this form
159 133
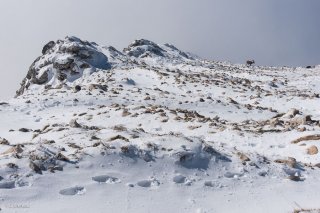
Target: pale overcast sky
273 32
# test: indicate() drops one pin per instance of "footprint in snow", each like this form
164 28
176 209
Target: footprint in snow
232 175
180 179
148 183
214 184
77 190
106 179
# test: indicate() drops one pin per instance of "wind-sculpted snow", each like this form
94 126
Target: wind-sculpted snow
154 129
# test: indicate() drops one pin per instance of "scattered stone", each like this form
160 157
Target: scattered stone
62 157
243 157
25 130
307 138
120 128
312 150
55 168
291 113
262 173
4 141
119 137
77 88
94 138
130 82
300 120
12 166
73 145
14 150
295 178
291 162
74 124
34 167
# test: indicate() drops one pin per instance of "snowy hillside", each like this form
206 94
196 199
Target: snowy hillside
155 129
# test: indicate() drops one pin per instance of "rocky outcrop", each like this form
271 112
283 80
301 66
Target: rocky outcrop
64 61
142 48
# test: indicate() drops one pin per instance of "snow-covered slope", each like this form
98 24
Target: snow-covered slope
154 129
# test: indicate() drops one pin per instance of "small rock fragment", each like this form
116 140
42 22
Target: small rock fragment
24 130
34 167
4 141
74 124
312 150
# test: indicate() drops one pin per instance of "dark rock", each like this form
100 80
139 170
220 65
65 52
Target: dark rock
24 130
12 166
131 82
73 49
63 65
77 88
48 46
74 124
84 66
41 80
94 138
62 157
143 48
119 137
295 178
4 141
98 86
34 167
55 168
62 76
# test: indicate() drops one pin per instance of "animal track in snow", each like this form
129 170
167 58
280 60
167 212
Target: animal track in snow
232 175
77 190
106 179
180 179
148 183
